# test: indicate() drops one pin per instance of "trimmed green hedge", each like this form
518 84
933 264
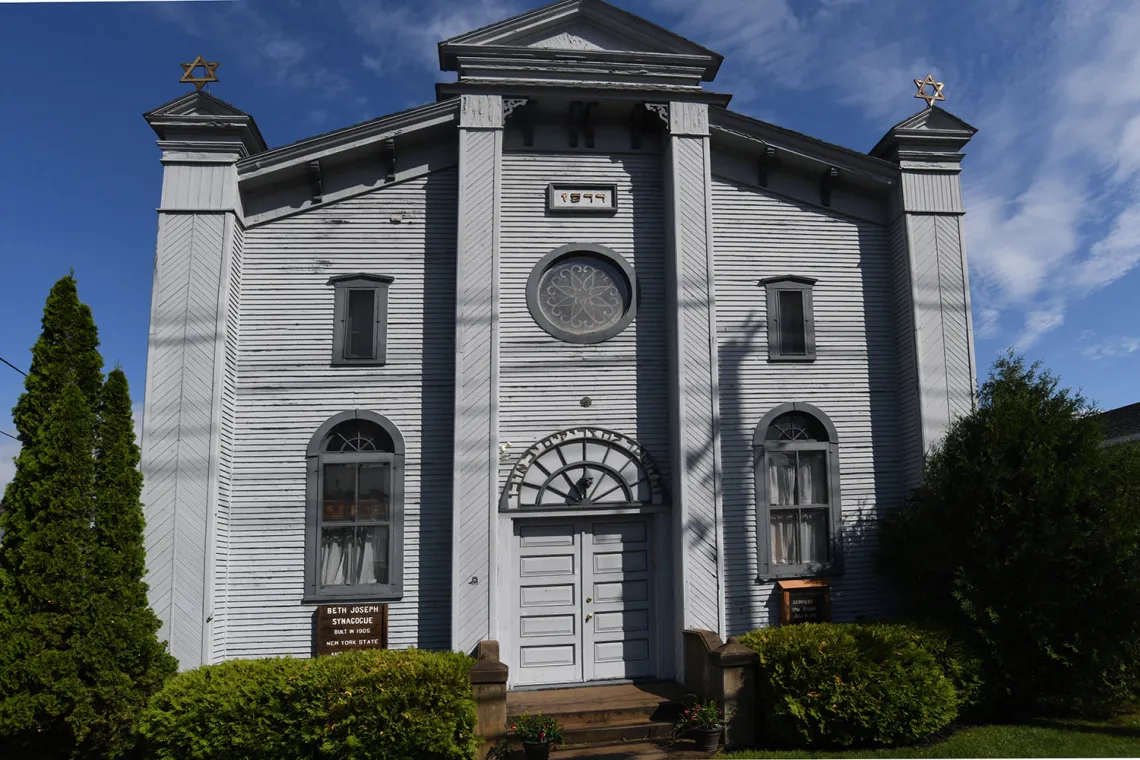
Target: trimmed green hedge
356 706
848 685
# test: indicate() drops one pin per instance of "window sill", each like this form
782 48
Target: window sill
799 572
381 598
359 363
794 359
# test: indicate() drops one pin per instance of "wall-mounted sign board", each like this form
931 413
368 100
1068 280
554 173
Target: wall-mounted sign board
806 601
581 197
343 627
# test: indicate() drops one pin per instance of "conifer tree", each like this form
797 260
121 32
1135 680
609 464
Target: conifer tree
77 648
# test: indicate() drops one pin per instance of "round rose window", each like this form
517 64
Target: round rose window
582 293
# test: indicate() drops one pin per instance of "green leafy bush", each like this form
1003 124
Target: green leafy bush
836 685
356 706
1025 538
958 661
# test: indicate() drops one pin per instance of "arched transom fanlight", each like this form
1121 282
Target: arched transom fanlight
582 468
795 426
358 435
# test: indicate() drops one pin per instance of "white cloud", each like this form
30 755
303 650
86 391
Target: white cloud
1112 347
407 33
1053 178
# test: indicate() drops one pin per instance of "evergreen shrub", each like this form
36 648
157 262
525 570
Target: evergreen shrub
356 706
1025 539
849 685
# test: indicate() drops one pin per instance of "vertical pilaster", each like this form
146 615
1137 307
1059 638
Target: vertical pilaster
938 378
693 393
188 407
476 371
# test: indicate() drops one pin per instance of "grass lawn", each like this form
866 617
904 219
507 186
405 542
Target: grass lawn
1118 737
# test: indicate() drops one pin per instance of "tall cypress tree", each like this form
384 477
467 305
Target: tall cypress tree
78 655
134 663
45 705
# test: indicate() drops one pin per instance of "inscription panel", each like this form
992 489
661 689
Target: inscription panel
345 627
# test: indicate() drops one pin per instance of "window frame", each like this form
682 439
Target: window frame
761 448
773 286
316 459
343 284
534 281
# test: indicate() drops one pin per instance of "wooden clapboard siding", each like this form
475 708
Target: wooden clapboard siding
543 379
178 423
286 388
697 467
910 412
198 186
932 192
226 449
854 379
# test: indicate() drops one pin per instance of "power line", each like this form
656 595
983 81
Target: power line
14 438
13 366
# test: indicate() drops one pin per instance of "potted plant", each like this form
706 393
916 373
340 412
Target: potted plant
538 734
703 720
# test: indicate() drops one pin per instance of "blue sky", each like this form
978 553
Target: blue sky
1052 181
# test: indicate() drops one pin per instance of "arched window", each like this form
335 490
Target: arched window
354 531
797 492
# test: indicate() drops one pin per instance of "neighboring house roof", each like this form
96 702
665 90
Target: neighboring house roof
1120 425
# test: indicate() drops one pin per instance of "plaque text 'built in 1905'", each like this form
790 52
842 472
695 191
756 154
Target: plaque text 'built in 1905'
343 627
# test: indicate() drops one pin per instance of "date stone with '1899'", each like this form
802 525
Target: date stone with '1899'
344 627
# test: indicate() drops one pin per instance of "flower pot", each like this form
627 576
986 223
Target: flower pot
708 739
537 750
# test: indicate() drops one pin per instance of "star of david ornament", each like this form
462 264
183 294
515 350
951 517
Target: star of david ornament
199 82
929 97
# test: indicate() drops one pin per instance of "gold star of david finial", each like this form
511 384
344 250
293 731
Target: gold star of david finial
928 96
199 82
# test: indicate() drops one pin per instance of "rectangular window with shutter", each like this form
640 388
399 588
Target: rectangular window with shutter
360 308
791 322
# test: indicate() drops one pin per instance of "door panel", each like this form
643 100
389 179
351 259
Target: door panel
618 603
547 564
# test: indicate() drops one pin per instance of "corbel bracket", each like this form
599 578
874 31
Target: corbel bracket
641 123
525 108
316 182
388 159
582 120
765 164
661 109
826 182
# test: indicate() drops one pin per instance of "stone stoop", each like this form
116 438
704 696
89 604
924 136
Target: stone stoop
597 716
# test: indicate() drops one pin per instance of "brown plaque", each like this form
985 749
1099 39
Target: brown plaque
341 627
807 601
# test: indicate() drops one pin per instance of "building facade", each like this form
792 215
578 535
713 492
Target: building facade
573 358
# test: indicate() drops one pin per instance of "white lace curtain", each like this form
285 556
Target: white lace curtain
352 556
797 479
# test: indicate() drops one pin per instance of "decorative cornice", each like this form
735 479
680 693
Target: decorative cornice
809 152
356 136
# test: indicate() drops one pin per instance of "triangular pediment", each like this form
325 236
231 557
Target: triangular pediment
935 119
197 103
592 27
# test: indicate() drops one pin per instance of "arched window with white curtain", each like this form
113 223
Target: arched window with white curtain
354 530
798 517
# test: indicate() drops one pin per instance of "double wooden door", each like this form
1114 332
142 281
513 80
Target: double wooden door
583 600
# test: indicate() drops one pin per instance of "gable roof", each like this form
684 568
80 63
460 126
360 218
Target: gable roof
930 127
197 103
1120 425
200 111
590 29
